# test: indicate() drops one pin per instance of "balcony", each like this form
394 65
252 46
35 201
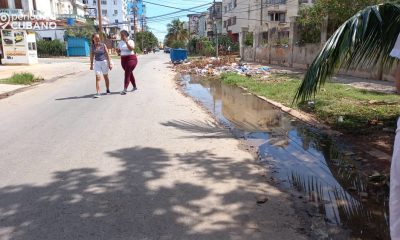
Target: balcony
22 12
12 12
73 16
36 13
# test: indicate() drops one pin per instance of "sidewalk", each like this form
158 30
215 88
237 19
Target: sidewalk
48 69
360 83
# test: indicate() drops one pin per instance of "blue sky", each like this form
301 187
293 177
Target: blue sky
159 26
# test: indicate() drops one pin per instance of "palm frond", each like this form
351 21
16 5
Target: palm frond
366 39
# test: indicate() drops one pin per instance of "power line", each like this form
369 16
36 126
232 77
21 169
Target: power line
180 10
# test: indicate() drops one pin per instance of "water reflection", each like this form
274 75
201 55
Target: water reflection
303 158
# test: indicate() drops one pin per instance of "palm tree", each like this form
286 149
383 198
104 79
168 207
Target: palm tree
176 31
367 39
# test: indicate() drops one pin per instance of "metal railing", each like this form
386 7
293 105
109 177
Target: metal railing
21 12
73 16
10 11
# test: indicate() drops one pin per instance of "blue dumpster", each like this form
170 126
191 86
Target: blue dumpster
78 47
178 55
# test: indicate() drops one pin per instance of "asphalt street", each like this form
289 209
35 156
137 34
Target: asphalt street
148 165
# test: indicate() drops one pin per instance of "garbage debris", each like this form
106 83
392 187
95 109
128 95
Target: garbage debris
217 66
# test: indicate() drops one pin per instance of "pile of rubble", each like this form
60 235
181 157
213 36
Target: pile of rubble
215 67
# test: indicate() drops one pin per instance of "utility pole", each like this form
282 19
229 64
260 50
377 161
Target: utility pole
99 18
261 18
134 16
216 29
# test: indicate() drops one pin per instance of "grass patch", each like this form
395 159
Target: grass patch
362 111
21 78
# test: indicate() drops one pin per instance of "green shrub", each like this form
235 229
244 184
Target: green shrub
249 39
207 48
178 44
53 48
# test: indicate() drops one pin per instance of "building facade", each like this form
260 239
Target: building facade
114 14
215 15
240 16
137 16
193 25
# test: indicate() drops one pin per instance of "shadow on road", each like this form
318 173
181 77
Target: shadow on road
85 96
141 201
204 129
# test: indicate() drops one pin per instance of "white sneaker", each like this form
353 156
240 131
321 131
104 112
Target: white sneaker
96 95
123 92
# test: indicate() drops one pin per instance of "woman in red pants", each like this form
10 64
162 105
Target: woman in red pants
129 60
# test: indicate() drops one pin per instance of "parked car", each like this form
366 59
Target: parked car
167 49
156 49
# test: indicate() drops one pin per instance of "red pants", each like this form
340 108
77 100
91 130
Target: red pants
129 64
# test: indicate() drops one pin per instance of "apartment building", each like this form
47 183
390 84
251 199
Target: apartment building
278 16
114 13
240 16
215 13
205 29
28 7
193 25
136 13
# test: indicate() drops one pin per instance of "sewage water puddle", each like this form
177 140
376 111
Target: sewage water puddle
300 157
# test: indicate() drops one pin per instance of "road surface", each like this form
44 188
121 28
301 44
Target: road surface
148 165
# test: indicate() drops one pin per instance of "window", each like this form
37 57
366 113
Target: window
104 12
85 1
226 9
234 21
229 22
18 4
103 2
224 24
282 17
116 20
115 2
230 6
132 28
115 12
279 1
277 17
32 45
94 2
3 4
234 3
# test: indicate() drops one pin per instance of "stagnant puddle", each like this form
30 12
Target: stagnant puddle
300 157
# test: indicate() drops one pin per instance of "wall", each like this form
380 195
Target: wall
302 56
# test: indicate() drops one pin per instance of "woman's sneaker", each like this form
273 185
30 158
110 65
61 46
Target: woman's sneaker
96 95
108 92
134 89
123 92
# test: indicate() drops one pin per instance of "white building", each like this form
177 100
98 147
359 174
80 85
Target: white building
240 16
205 25
115 12
28 7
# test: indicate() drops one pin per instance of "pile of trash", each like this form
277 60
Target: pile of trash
215 67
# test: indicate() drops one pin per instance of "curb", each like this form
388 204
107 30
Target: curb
23 89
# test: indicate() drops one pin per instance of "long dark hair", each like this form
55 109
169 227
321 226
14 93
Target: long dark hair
94 34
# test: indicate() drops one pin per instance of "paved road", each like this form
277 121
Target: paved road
148 165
